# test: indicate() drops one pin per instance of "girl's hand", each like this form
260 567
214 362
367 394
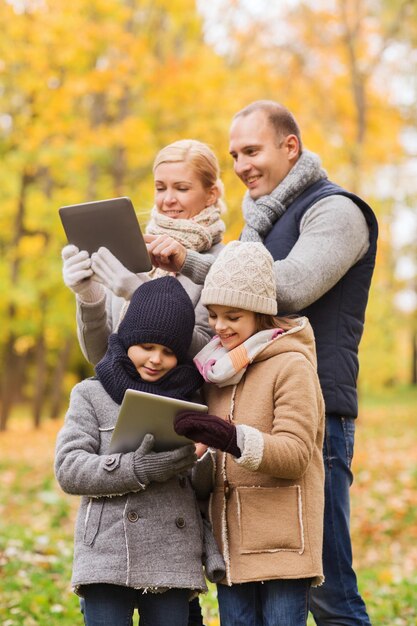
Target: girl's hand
209 429
200 449
165 252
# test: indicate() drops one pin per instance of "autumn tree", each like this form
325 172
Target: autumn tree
90 92
330 63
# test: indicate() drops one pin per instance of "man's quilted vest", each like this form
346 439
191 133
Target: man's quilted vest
338 316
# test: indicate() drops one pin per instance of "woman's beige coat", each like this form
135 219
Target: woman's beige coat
267 506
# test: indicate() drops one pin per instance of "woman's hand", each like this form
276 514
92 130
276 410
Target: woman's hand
113 274
78 275
165 252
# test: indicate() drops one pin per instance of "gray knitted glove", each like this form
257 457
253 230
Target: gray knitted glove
78 274
113 274
214 564
158 467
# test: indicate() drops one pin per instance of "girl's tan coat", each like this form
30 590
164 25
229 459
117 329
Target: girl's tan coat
269 522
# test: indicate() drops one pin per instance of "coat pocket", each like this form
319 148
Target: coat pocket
92 520
270 519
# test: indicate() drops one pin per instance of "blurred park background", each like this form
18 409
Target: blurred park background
89 92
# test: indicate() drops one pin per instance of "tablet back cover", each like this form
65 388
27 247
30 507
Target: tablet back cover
142 413
109 223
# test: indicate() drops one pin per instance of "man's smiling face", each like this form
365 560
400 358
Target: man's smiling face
261 158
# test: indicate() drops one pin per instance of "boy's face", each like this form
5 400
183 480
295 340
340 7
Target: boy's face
152 360
233 326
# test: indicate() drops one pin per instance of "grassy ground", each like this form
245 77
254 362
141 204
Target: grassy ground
36 520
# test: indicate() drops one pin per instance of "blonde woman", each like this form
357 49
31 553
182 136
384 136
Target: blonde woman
188 207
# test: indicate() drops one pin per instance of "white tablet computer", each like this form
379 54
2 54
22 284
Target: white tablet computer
109 223
142 413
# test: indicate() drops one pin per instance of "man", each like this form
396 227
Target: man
323 240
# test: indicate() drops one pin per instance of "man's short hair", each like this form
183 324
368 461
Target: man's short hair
282 120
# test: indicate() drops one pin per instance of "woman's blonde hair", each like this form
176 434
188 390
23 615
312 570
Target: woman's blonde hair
202 160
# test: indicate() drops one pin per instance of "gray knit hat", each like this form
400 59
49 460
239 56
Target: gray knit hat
242 276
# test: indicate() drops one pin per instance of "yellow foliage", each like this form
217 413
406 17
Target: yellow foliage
23 344
31 247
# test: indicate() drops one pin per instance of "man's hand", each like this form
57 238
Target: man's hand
165 252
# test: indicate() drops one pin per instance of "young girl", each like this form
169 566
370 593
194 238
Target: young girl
139 533
266 422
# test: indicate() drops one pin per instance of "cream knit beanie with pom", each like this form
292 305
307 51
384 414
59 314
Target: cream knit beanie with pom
242 277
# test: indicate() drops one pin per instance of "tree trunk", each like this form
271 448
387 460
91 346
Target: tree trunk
40 379
11 370
6 389
58 378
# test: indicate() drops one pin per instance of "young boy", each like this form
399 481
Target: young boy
139 533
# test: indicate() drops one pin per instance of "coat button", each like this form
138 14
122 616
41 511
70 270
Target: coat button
132 516
180 522
110 460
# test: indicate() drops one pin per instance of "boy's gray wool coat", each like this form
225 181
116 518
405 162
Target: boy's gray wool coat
146 537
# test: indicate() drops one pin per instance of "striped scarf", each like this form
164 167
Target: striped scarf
227 367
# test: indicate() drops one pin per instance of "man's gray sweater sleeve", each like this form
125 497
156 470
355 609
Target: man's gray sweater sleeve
333 237
196 266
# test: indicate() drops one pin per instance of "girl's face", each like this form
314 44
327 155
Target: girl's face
179 192
152 360
233 326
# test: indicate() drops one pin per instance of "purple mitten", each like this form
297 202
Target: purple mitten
209 429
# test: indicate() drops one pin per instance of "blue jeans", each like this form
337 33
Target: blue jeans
269 603
195 617
337 602
113 605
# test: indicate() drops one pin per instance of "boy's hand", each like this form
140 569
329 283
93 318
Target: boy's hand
158 467
209 429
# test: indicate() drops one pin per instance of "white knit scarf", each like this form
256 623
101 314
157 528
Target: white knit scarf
261 214
198 233
227 367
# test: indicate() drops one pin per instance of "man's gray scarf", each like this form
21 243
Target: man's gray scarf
260 215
